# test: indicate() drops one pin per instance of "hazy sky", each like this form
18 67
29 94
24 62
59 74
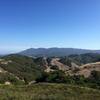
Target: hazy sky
49 23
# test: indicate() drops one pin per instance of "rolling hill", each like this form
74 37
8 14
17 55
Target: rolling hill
27 70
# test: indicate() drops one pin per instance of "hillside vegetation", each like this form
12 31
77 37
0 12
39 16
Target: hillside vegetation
21 66
74 69
48 78
48 92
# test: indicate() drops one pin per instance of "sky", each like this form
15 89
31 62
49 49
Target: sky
49 23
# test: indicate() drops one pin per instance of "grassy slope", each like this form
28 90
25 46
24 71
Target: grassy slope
48 92
22 67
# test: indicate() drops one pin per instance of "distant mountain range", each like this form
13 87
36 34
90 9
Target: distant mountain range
40 52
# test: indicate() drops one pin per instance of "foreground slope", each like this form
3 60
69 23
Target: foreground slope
48 92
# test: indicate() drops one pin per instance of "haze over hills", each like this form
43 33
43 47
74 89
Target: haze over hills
55 51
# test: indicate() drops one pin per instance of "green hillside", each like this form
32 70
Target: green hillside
48 92
23 67
18 69
85 58
18 73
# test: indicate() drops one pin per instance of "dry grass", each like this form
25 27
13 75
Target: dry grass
48 92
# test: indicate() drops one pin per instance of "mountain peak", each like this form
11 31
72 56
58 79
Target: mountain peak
55 51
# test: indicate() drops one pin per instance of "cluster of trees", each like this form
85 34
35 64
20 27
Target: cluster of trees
52 77
60 77
56 77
